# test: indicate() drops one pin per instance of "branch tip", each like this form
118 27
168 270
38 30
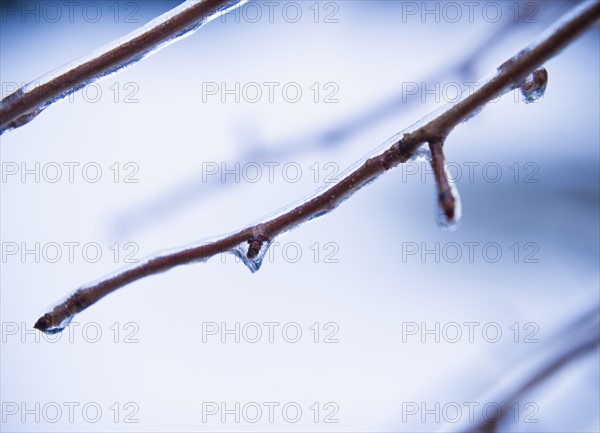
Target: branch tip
42 323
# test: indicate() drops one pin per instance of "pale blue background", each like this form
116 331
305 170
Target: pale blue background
370 293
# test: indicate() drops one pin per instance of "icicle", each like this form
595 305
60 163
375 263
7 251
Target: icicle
534 86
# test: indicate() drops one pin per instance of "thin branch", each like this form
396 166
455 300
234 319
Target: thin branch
26 103
254 239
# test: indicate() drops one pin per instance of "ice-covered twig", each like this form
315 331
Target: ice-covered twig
27 102
252 242
446 199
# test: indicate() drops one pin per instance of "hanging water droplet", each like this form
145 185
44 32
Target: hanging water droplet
253 252
423 153
534 86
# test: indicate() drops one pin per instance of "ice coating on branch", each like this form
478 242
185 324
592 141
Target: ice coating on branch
443 220
534 86
59 328
46 321
134 34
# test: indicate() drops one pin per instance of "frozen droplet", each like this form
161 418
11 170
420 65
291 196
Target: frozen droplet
534 86
423 153
252 252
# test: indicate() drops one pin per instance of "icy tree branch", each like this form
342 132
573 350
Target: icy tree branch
252 242
26 103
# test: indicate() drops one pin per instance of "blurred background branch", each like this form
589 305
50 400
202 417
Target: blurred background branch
577 339
26 103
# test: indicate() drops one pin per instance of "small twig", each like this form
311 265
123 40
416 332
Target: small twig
26 103
446 199
511 72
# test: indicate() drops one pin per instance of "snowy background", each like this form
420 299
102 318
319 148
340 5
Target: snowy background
363 284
